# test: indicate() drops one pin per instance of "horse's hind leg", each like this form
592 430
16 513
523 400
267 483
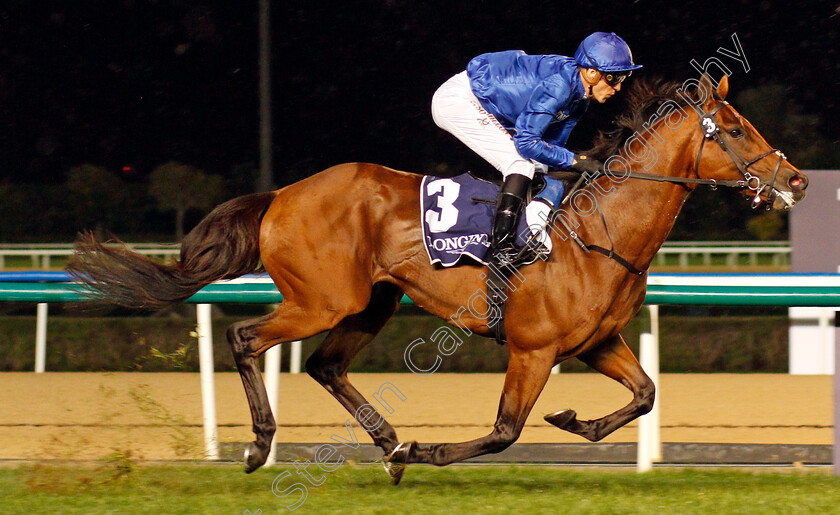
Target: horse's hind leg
329 363
614 359
526 376
248 340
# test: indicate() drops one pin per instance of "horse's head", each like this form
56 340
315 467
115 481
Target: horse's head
733 149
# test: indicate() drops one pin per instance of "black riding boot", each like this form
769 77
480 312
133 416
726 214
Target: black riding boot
508 206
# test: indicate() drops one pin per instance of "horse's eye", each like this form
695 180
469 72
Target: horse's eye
736 132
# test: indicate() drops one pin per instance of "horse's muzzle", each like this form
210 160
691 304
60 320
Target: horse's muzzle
789 189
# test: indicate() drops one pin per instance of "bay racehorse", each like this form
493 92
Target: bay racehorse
343 246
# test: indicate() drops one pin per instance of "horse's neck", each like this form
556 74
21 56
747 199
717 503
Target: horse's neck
640 213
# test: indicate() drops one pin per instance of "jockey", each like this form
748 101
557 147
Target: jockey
516 111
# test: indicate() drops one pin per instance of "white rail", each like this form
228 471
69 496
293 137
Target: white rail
40 257
734 254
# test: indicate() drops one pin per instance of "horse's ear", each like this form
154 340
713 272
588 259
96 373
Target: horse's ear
723 87
710 93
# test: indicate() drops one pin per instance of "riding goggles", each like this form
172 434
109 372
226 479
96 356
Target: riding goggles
615 78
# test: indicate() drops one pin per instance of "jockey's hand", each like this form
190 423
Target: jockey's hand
584 163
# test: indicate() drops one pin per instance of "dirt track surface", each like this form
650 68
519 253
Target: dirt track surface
158 416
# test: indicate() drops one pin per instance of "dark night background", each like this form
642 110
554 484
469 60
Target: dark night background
129 85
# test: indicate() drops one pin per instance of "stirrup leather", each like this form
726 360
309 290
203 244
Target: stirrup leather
503 251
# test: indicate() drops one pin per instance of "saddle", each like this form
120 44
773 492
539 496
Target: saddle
457 218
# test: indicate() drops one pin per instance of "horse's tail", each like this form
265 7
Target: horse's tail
224 245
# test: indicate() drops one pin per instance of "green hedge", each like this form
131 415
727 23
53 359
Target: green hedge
721 343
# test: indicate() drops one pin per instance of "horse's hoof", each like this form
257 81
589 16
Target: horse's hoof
395 462
561 418
254 458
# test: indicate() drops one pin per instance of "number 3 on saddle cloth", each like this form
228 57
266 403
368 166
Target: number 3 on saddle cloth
457 216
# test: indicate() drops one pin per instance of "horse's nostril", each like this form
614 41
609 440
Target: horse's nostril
796 182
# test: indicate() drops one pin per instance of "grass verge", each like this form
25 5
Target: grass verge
117 486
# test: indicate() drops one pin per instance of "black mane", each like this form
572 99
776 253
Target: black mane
643 99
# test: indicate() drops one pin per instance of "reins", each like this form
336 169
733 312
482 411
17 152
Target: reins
711 130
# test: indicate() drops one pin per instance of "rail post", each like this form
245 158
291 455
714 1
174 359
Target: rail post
41 337
835 454
294 359
272 383
208 391
648 424
656 451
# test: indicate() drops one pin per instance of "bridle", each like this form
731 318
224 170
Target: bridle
711 130
751 182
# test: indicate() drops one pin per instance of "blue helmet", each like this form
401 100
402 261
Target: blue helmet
605 52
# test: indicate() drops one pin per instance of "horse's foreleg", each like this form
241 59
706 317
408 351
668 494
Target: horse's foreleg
248 340
329 363
526 376
614 359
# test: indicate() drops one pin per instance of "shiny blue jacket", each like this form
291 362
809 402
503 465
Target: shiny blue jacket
540 97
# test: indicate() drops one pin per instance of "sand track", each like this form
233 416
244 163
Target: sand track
158 416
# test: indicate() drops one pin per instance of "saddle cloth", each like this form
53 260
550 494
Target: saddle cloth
457 218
